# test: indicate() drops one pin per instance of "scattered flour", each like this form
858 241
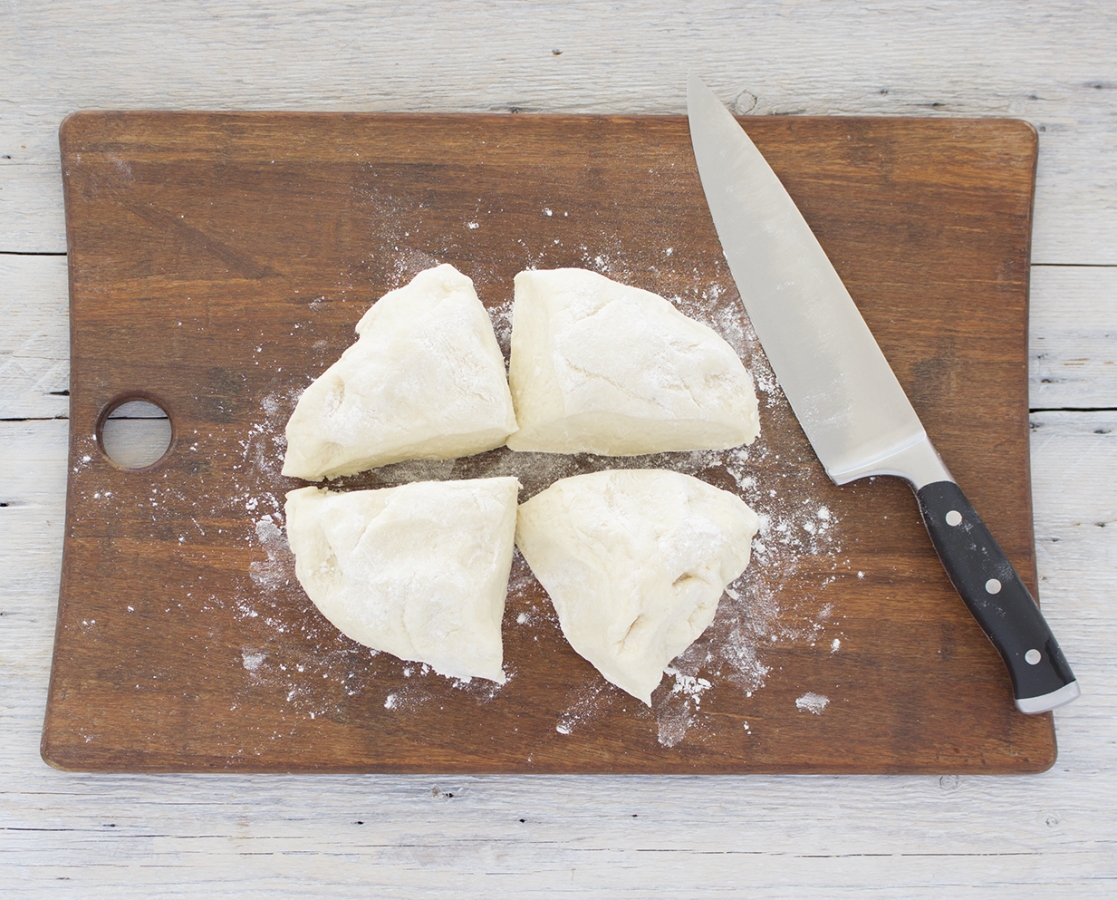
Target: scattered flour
501 316
582 705
252 659
812 703
795 531
276 571
677 712
243 495
753 621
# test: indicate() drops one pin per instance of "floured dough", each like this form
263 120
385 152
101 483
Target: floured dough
419 571
425 380
604 368
635 562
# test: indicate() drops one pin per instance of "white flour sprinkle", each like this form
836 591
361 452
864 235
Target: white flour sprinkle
273 573
252 659
812 703
752 622
584 706
677 712
501 317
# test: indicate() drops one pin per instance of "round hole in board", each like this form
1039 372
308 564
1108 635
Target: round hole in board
134 432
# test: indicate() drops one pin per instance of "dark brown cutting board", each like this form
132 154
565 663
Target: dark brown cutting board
218 262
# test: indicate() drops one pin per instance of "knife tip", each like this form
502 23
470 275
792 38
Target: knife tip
699 95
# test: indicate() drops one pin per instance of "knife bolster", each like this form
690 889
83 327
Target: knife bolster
917 461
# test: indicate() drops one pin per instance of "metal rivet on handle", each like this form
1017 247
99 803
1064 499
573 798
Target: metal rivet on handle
992 586
1032 657
954 518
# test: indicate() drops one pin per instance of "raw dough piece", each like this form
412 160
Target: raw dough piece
601 367
425 380
419 571
635 562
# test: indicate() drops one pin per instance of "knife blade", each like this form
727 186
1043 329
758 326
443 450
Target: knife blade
844 393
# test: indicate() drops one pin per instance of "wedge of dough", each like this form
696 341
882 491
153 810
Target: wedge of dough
419 571
601 367
635 562
425 380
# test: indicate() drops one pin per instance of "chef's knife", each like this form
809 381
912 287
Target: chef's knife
846 397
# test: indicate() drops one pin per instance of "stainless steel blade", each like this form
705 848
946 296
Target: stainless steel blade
847 398
842 389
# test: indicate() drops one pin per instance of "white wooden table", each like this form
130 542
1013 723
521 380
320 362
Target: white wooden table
1052 63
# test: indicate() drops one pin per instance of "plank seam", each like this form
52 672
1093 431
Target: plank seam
1054 265
1081 409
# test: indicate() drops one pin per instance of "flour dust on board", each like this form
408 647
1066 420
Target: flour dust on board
798 531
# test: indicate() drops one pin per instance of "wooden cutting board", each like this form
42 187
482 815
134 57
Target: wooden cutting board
218 262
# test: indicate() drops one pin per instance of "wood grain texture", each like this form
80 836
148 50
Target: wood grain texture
1072 348
131 837
138 836
34 345
218 262
1049 63
1071 352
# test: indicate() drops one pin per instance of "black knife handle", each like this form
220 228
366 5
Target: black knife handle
998 599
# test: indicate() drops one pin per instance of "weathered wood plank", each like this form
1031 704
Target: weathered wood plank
35 337
32 218
1051 64
1073 354
649 837
135 837
1073 339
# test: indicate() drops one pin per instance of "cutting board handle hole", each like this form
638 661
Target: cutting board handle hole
135 432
